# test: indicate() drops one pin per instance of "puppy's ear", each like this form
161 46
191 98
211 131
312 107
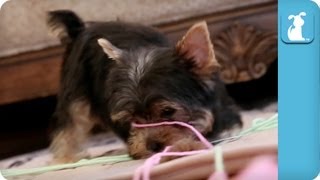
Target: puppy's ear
108 48
197 47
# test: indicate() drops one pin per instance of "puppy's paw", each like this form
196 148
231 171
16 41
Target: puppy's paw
65 159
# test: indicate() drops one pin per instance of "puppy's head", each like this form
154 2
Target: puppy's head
167 84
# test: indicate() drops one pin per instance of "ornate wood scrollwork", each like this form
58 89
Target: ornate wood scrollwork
244 52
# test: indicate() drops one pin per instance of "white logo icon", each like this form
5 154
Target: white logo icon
295 30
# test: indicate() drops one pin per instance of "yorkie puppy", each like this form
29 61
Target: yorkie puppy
117 73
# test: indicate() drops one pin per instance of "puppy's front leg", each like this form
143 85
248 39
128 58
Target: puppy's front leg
68 140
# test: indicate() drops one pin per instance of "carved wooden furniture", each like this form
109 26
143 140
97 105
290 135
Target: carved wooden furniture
245 41
245 52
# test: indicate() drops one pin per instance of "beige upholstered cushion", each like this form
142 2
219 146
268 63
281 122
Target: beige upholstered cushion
23 28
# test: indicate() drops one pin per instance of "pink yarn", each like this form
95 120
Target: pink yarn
196 132
262 168
144 170
219 176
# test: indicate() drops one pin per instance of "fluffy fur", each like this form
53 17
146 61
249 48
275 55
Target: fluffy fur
115 73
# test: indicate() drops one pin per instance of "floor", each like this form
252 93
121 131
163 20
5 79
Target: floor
106 143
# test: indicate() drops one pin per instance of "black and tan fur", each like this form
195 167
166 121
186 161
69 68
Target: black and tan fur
116 73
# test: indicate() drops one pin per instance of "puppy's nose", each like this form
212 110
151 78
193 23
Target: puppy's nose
155 146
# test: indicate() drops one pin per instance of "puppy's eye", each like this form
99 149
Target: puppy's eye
167 112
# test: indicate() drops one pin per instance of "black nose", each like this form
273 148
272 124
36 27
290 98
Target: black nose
155 146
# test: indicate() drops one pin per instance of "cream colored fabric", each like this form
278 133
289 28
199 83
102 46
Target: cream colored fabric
23 28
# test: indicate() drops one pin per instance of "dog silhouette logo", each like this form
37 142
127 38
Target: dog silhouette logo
297 27
295 30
